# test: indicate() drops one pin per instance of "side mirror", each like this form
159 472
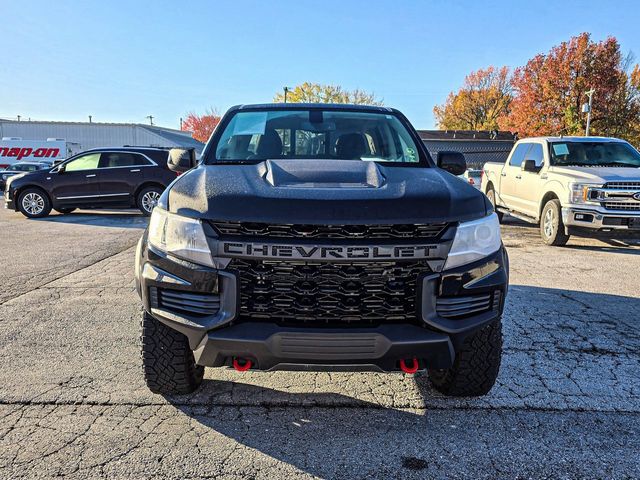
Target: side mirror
530 166
181 159
452 162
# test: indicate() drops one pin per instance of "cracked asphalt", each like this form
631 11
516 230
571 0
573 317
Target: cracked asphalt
73 403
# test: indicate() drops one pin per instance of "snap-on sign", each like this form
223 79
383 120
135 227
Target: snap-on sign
14 150
20 153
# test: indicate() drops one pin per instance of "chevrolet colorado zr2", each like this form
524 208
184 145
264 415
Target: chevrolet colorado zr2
321 237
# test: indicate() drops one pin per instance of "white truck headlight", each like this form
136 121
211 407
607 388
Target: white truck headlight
474 240
582 192
182 237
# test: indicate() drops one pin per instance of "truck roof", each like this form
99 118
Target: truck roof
574 139
312 106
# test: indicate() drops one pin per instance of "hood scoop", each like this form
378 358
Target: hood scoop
305 173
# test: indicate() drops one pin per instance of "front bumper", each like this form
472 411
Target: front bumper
586 218
218 338
272 347
8 199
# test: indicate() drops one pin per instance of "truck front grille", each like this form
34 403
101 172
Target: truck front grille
628 205
623 185
369 232
631 207
319 293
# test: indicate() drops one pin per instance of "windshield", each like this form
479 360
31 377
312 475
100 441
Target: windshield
594 154
316 134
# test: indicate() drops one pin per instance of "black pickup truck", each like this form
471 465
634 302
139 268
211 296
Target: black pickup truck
321 237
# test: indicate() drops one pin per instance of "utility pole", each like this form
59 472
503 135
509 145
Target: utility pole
587 108
180 123
150 117
286 90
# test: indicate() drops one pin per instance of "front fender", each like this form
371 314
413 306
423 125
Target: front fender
552 188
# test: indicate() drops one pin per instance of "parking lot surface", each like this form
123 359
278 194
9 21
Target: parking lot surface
73 402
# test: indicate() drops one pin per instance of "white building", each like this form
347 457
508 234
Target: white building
84 135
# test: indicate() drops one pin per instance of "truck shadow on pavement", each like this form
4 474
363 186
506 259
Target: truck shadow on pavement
627 242
580 336
118 219
338 437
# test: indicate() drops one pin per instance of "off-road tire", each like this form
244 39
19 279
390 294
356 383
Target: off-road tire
42 197
167 361
64 211
551 225
491 195
143 202
476 366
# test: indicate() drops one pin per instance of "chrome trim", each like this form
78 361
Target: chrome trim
89 152
94 196
604 195
568 218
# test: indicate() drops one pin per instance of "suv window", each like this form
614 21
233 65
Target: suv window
85 162
122 159
535 153
518 154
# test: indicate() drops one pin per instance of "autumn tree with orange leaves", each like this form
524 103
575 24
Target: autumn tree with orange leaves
483 99
550 90
201 126
545 96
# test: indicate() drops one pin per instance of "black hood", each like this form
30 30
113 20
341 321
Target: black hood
324 192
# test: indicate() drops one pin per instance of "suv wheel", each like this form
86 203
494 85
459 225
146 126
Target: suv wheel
551 225
491 195
476 366
34 203
148 199
167 360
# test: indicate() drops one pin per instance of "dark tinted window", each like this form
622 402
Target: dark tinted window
535 153
518 154
316 134
612 154
122 159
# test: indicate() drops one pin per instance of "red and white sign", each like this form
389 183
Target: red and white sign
12 151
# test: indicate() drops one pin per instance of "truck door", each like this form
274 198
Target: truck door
529 191
511 178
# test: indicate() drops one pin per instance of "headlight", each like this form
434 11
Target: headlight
582 192
180 236
474 240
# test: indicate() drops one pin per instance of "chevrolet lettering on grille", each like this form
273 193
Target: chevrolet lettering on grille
325 252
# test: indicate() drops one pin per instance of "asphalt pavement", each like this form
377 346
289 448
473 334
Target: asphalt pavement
73 402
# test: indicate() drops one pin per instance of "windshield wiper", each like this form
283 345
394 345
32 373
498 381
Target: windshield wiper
616 164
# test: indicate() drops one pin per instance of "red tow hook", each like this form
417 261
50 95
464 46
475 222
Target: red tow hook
241 367
413 368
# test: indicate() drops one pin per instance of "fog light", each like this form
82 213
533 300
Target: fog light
584 217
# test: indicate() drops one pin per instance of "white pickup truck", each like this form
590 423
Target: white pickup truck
569 185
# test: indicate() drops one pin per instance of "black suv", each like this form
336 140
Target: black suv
315 237
100 178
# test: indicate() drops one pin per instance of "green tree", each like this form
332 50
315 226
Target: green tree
308 92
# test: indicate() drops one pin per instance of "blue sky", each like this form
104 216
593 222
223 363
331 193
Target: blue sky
121 61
